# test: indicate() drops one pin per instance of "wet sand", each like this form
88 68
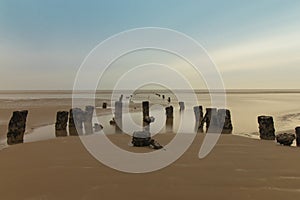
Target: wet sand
237 168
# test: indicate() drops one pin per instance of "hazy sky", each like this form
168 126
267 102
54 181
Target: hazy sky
255 44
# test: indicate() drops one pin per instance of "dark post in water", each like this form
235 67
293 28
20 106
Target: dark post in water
88 117
145 105
181 106
169 120
266 128
224 118
118 116
198 111
61 123
146 117
17 127
75 121
211 119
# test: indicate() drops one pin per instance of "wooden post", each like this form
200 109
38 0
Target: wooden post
75 121
285 139
145 105
146 117
169 120
198 111
61 123
266 128
224 118
211 119
181 106
17 127
88 118
118 116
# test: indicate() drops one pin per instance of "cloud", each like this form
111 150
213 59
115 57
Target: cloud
271 51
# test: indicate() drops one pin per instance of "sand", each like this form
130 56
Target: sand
61 168
237 168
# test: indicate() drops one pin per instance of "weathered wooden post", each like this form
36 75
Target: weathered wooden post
72 128
61 123
121 98
181 106
169 112
98 127
76 121
145 105
169 118
17 127
88 118
169 99
198 111
118 115
146 117
297 130
211 119
285 139
104 105
224 118
266 128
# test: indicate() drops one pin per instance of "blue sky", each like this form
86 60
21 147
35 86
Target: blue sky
255 44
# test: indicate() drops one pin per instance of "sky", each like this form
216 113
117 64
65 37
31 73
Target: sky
255 44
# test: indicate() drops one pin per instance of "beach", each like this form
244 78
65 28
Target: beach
238 167
149 100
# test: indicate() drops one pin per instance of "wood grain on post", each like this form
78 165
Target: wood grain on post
17 127
266 128
61 123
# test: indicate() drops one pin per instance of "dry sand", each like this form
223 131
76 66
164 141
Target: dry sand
237 168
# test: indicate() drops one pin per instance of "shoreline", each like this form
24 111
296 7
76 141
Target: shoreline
32 131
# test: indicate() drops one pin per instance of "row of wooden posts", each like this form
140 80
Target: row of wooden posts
267 132
77 120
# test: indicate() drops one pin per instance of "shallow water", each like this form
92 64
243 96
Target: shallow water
245 108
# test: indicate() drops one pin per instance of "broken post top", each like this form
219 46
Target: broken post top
145 103
211 109
198 109
265 118
225 111
121 97
89 109
22 114
18 116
